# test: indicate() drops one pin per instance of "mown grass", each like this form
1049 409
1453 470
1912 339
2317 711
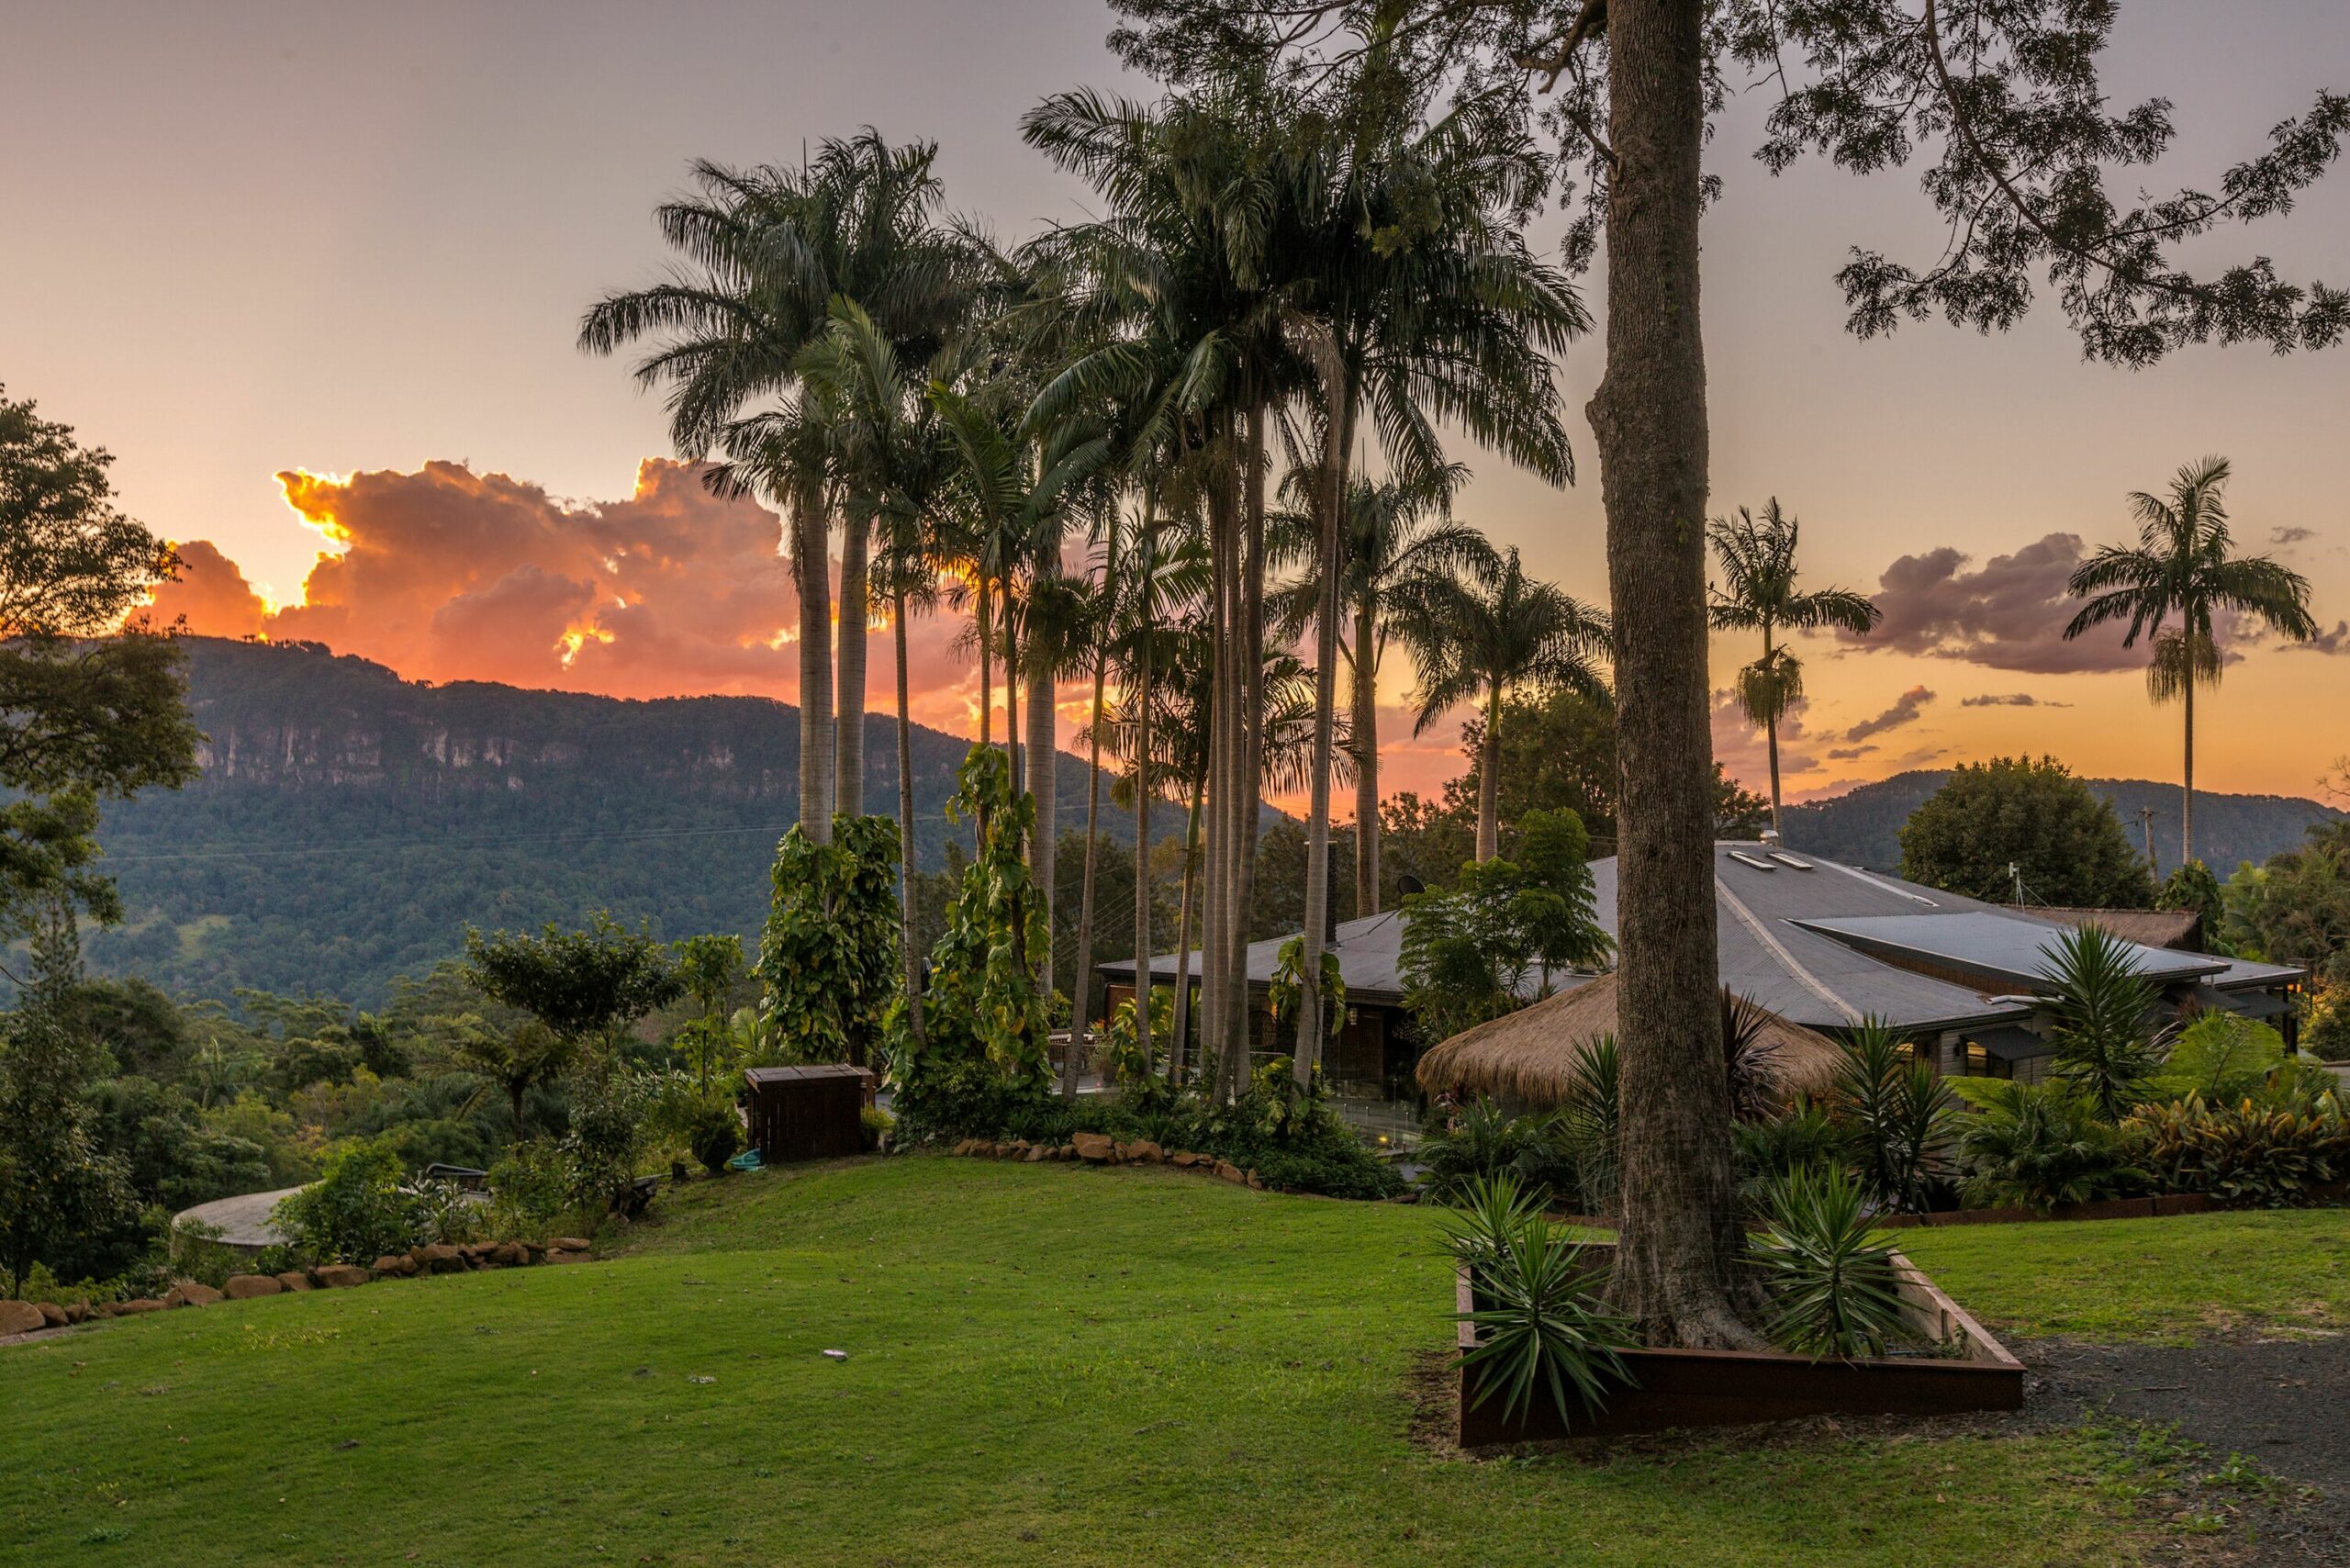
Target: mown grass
1045 1364
2163 1280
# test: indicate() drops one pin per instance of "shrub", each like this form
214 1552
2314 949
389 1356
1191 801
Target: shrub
1540 1320
1588 1127
2243 1154
828 956
529 1188
1896 1107
607 1137
358 1209
873 1124
2099 1012
1470 1143
1803 1135
2040 1145
1830 1276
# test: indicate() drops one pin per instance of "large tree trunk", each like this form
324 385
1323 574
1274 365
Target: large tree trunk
811 581
1042 754
1676 1263
906 826
2187 773
1143 782
1489 780
848 744
1365 717
1325 704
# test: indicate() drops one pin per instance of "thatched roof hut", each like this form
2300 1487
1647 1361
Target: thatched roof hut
1531 1057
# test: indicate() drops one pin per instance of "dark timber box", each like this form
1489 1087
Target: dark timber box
1719 1388
807 1112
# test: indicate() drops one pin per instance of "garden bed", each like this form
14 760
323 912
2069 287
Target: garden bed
1724 1388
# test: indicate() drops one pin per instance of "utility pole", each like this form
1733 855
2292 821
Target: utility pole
2147 815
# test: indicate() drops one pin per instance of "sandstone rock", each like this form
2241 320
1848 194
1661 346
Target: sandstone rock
439 1259
294 1280
77 1312
1095 1148
52 1312
187 1293
1039 1152
21 1318
1257 1182
134 1308
1184 1158
567 1257
1068 1151
251 1287
509 1255
963 1149
395 1263
1143 1152
537 1249
1229 1172
571 1244
340 1276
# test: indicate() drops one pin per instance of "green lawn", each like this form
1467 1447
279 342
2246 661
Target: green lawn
2158 1279
1046 1364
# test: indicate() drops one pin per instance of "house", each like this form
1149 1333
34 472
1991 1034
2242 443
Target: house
1821 945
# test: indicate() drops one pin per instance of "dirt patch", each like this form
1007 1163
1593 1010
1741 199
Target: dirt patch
2277 1402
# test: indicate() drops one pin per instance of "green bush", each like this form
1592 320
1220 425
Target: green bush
873 1124
606 1139
1466 1144
1830 1276
528 1189
358 1209
2261 1157
2040 1145
1541 1325
1803 1135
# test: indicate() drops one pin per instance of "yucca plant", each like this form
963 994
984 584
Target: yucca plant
1541 1325
1588 1126
1830 1276
1897 1108
2102 1020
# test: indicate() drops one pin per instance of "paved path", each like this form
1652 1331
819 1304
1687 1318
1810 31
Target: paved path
241 1221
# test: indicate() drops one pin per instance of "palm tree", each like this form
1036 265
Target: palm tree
2182 572
1758 561
1501 632
766 251
1398 541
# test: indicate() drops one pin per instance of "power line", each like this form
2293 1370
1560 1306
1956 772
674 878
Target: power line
370 846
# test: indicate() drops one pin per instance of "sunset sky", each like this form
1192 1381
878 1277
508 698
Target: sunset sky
314 273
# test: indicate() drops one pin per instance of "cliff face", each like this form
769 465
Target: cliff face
348 824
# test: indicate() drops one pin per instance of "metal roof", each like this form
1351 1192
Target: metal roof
1815 942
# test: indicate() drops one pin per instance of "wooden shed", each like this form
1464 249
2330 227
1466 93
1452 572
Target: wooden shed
807 1112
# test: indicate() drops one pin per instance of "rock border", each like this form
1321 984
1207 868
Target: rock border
1100 1148
28 1319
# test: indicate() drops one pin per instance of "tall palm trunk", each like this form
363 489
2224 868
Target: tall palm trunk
1043 752
1081 982
906 825
1325 704
1677 1271
1215 961
1771 732
1364 719
1142 784
848 766
2186 774
987 680
1251 736
810 580
1489 779
1179 1050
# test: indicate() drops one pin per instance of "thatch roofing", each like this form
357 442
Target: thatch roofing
1531 1057
2181 929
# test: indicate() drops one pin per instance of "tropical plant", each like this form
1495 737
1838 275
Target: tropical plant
2222 1057
1288 986
2182 574
2243 1153
1126 1058
1805 1135
1758 561
2193 886
828 956
1897 1109
517 1061
1750 1058
1467 1143
2100 1019
1830 1277
1504 633
358 1209
983 1050
1472 954
65 1200
2039 1145
1541 1325
1589 1124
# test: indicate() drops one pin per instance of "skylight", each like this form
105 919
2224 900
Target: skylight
1743 858
1784 858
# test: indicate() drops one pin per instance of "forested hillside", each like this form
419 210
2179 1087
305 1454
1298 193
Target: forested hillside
1863 826
349 824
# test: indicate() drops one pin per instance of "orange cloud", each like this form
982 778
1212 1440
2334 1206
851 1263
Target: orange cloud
210 594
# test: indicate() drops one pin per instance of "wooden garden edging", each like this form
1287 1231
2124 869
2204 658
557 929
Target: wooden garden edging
1722 1388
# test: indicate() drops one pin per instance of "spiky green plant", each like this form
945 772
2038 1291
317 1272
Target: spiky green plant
1542 1325
2102 1020
1830 1276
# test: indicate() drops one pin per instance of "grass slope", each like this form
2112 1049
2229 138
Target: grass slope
1046 1364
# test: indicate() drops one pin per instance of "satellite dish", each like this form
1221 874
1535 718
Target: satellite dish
1408 884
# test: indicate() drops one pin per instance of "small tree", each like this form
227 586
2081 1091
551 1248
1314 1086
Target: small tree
1466 954
2192 886
2012 817
517 1059
584 986
2100 1020
984 1021
829 954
